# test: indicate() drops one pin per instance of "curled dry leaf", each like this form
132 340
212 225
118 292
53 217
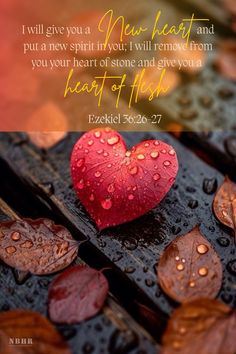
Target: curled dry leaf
36 246
226 60
202 326
224 204
189 268
77 294
42 336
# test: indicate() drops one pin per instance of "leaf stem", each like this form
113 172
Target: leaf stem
106 268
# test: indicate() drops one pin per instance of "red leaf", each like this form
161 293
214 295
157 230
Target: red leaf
77 294
201 327
116 185
41 336
36 246
224 204
190 268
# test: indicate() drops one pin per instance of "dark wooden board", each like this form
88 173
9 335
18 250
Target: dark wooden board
111 331
132 249
220 146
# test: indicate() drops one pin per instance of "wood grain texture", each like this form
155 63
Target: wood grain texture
112 330
132 249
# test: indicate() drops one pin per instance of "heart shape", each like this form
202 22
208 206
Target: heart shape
116 185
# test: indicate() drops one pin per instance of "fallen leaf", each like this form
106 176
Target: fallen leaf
202 326
116 185
77 294
226 59
33 327
224 204
230 6
36 246
189 268
4 345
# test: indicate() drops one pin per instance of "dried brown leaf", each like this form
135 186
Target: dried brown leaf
36 246
202 326
190 268
224 204
34 328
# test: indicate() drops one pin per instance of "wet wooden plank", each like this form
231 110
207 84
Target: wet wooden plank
133 249
220 147
113 330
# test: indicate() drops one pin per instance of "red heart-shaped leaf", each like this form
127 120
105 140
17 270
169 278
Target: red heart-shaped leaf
116 185
77 294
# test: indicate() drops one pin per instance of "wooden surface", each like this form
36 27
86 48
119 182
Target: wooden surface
112 328
132 249
37 183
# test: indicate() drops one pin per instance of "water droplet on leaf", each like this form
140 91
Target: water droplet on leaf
80 163
106 203
156 177
154 154
114 140
180 267
133 170
202 249
80 184
140 157
166 163
10 249
97 134
15 236
203 271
